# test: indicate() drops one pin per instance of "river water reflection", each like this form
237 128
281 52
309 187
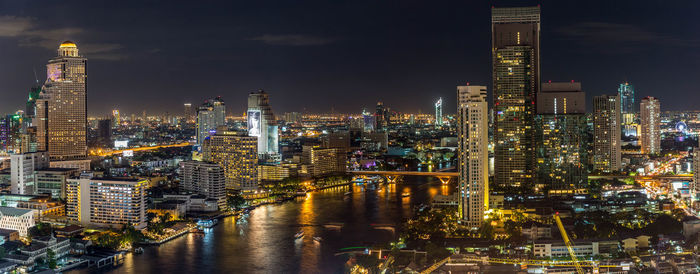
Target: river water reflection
263 242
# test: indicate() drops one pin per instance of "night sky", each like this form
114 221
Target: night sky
322 56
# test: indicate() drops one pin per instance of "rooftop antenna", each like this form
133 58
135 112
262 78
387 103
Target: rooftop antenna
35 77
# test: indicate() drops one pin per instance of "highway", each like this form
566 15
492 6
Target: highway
136 149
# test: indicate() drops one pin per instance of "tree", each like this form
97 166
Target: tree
51 258
486 231
235 202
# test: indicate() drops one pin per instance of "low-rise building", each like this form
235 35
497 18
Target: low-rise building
534 231
557 248
16 219
28 254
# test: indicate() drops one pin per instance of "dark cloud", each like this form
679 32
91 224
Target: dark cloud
613 34
293 40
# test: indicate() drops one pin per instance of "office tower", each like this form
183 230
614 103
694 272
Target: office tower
116 118
339 140
382 117
204 178
516 79
368 118
210 116
606 133
61 110
650 137
106 202
22 167
562 150
237 155
472 120
52 181
438 112
104 132
628 109
189 116
262 123
34 93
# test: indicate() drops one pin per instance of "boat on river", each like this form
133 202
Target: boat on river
299 235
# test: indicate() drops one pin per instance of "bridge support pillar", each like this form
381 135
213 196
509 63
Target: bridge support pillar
392 179
444 179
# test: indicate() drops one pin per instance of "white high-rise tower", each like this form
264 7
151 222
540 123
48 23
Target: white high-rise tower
473 137
650 137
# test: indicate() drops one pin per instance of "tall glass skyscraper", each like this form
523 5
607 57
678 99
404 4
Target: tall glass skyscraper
516 79
438 112
628 109
61 110
562 147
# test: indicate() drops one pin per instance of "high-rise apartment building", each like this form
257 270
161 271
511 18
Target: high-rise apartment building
262 123
22 168
204 178
237 154
61 110
322 161
650 135
438 112
562 148
516 79
606 133
472 115
116 118
695 186
106 202
628 109
210 116
382 117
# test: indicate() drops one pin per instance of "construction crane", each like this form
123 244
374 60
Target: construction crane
569 246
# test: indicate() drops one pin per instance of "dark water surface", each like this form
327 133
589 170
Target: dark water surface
263 242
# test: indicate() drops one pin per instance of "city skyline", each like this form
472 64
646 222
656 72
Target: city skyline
130 68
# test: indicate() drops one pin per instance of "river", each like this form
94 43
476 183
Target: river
263 242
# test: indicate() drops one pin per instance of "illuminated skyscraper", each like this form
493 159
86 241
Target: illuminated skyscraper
210 116
61 110
473 154
382 117
628 109
189 116
650 137
516 79
106 202
606 133
438 112
237 155
116 118
262 124
562 149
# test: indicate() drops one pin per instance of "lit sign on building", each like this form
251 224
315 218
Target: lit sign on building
254 123
128 153
121 144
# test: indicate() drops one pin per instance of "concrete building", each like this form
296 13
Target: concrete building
562 148
516 81
262 124
61 110
323 161
16 219
204 178
650 136
210 116
695 184
237 154
277 172
472 115
557 248
22 168
105 202
52 181
606 133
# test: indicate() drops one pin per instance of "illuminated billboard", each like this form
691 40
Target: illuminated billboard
128 153
121 144
254 123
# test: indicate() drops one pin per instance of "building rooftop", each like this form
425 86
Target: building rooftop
11 211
